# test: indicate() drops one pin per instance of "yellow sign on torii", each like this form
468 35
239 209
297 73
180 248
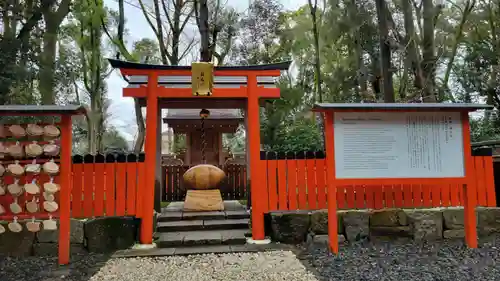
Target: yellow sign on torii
202 78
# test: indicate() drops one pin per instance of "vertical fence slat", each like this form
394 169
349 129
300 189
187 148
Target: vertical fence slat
301 184
176 182
454 195
99 169
359 194
407 196
311 184
341 200
282 194
141 178
445 195
480 180
436 195
240 182
370 197
321 183
291 166
388 196
351 197
426 195
170 189
77 191
398 195
121 186
110 185
489 181
131 184
378 197
271 184
88 186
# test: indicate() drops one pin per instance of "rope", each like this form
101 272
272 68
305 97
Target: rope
203 141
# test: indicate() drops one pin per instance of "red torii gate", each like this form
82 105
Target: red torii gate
161 86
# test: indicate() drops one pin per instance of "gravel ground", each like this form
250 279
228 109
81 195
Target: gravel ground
407 260
378 261
265 266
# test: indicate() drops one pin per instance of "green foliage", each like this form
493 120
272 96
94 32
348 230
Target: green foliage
301 135
483 130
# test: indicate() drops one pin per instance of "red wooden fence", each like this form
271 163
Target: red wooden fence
114 189
106 189
300 184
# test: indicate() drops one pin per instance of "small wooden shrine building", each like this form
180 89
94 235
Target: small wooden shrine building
219 122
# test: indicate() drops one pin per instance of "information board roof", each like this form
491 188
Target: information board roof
41 109
400 106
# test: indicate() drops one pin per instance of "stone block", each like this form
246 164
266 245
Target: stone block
454 233
426 224
51 249
388 217
453 218
488 220
356 224
52 236
290 227
16 244
107 234
319 222
390 231
324 239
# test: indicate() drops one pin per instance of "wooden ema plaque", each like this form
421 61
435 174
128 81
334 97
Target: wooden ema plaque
374 144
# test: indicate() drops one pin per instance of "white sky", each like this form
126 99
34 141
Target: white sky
122 109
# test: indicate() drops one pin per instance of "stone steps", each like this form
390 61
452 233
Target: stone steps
194 225
195 250
216 215
202 237
178 229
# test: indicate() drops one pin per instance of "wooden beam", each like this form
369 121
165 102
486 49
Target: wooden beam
218 93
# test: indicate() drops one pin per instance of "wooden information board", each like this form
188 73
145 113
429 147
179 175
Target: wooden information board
378 144
398 145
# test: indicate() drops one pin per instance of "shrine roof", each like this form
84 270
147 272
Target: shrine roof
400 106
143 66
190 114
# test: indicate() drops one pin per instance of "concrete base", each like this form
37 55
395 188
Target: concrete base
144 246
259 242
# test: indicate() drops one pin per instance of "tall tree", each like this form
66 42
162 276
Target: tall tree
385 51
53 18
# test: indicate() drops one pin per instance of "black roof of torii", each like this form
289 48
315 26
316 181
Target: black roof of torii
143 66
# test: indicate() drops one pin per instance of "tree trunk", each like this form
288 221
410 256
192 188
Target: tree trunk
53 20
413 60
385 51
317 64
48 64
202 18
428 58
444 91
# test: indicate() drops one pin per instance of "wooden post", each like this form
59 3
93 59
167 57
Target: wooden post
469 192
146 236
158 167
332 188
259 191
65 193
